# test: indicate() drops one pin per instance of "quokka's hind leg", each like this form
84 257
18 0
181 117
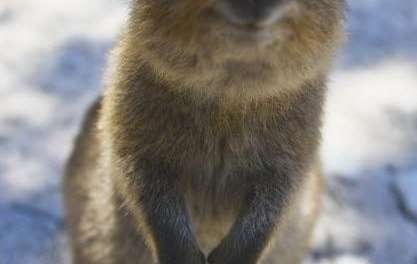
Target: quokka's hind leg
294 234
101 232
128 244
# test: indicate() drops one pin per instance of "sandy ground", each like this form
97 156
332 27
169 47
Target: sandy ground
52 55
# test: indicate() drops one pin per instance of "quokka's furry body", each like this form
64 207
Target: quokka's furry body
205 141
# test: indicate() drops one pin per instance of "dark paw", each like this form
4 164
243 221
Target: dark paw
226 257
202 258
218 257
195 258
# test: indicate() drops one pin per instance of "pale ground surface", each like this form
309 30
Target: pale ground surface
52 55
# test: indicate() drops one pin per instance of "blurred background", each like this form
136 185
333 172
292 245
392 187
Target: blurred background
52 56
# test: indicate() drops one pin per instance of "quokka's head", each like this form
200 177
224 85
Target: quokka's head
194 35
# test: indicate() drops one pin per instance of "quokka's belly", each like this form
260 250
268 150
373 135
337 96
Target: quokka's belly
212 215
210 230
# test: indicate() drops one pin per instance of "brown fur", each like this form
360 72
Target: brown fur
205 141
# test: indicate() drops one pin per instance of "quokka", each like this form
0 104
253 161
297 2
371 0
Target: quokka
203 147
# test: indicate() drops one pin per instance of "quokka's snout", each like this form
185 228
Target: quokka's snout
255 13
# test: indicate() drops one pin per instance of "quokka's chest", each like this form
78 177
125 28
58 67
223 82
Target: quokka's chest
218 173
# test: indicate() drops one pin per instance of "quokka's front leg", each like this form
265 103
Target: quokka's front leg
164 219
255 225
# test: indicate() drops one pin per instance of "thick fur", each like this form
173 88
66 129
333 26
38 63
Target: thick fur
204 145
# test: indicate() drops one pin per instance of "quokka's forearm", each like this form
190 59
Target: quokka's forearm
255 226
164 219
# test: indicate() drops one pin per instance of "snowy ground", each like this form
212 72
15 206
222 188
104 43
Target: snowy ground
52 55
